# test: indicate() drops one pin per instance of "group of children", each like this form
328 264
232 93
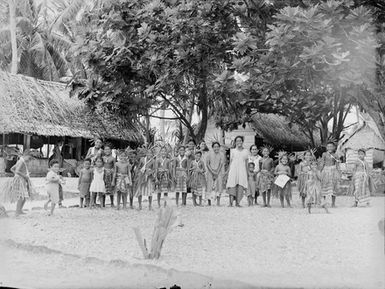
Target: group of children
203 173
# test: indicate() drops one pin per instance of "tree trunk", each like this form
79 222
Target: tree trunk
12 24
203 105
190 113
148 136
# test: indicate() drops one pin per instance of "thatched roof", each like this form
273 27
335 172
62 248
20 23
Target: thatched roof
277 131
33 106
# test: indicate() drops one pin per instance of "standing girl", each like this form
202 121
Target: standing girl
85 178
303 175
197 178
122 179
362 183
313 187
255 158
329 173
146 179
162 168
215 164
237 179
283 168
266 176
252 181
52 185
109 166
21 187
97 187
181 176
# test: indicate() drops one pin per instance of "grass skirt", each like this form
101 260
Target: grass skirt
145 186
363 186
181 181
329 181
284 192
198 183
108 176
15 189
265 181
302 184
123 183
163 182
313 193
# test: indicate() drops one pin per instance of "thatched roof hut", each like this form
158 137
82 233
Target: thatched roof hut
277 131
32 106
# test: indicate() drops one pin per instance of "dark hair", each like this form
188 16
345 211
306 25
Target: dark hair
282 156
362 150
331 142
253 145
192 140
53 162
99 158
87 160
108 145
251 163
198 153
182 146
214 143
239 136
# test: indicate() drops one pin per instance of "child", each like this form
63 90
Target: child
362 182
329 173
252 180
215 168
52 185
163 175
265 178
85 178
181 176
146 179
97 187
283 168
122 180
255 158
303 175
109 166
313 187
20 187
197 178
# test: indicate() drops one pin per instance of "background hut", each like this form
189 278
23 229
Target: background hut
35 114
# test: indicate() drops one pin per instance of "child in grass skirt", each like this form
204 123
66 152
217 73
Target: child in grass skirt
145 179
266 176
122 180
329 173
252 182
20 188
313 188
303 176
197 178
181 176
85 178
283 168
162 181
362 183
109 167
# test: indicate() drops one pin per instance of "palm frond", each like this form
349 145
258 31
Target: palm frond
69 12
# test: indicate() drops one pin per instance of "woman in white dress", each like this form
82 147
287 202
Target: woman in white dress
237 179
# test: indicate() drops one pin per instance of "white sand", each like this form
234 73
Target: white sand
259 246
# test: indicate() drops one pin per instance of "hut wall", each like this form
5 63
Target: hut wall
38 167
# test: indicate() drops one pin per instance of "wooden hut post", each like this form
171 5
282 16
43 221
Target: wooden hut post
3 147
78 148
27 142
48 147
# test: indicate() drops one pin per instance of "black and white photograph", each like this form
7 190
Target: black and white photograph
192 144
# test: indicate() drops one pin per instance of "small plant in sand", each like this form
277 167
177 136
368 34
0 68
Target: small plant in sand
166 220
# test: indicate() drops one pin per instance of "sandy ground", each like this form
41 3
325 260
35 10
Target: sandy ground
254 247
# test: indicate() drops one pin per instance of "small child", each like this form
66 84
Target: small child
85 178
109 165
303 175
362 182
252 180
146 179
122 180
162 168
266 176
283 168
181 176
197 178
255 158
329 173
52 185
97 187
313 188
